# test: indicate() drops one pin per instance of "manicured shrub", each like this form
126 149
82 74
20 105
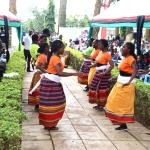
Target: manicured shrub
11 114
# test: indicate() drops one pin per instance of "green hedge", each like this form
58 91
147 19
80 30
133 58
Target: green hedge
11 114
142 102
76 58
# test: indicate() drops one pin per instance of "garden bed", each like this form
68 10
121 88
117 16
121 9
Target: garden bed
142 102
11 114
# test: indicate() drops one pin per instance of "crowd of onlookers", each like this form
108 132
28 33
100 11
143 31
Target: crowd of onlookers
115 46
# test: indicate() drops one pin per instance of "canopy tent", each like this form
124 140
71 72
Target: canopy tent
7 19
125 13
13 21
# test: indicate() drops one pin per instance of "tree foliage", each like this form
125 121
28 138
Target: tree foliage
50 16
42 19
73 21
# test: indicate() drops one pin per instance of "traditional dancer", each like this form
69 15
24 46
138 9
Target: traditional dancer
41 64
99 87
85 67
52 98
94 54
120 103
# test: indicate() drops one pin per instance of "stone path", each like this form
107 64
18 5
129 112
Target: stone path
81 128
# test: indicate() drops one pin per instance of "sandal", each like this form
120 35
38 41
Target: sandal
96 107
51 128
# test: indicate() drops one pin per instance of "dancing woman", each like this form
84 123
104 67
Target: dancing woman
99 87
120 103
41 64
85 67
52 98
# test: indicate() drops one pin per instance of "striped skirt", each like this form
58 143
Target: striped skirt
85 68
120 104
99 88
52 103
34 98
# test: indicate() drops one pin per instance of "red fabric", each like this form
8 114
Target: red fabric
83 79
50 117
121 119
134 18
103 33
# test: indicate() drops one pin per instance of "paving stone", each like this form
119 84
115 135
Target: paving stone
32 119
141 136
119 135
77 115
87 128
25 94
35 136
65 135
27 108
136 124
91 111
128 145
146 144
82 121
78 96
98 145
92 135
37 145
65 128
65 116
64 121
37 129
107 128
68 145
138 130
72 103
74 109
26 86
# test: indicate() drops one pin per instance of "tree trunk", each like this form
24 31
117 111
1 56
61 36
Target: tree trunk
12 6
116 31
96 12
62 13
147 34
12 9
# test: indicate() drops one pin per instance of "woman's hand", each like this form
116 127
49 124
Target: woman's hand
78 74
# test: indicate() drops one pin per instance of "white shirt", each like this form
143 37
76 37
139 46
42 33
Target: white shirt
27 42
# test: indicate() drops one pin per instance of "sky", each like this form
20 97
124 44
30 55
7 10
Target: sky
74 7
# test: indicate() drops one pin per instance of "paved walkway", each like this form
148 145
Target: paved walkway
81 128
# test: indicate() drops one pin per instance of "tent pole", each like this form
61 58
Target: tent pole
140 23
90 32
6 37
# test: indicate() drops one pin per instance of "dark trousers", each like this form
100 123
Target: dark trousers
27 58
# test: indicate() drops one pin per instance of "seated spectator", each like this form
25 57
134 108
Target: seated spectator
147 58
140 62
116 56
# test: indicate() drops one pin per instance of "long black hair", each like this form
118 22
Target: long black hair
35 38
90 42
55 46
42 48
132 49
104 42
